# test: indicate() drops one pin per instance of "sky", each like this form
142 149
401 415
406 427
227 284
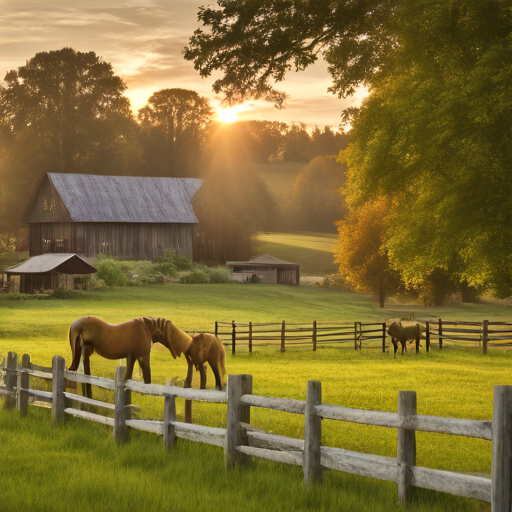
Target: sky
143 40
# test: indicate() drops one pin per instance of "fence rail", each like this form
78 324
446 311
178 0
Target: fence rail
358 335
240 440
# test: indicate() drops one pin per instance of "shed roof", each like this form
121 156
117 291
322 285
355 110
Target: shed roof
264 261
93 198
64 263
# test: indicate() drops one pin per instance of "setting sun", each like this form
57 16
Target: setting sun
229 115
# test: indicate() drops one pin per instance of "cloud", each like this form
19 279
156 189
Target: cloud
143 40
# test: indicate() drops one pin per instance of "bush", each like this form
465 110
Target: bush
111 272
63 293
219 275
194 277
171 259
166 268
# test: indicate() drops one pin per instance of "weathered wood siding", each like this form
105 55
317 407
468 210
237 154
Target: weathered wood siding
130 241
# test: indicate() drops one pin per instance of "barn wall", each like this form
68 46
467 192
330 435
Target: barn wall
125 240
46 205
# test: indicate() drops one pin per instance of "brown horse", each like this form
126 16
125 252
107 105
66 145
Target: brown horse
131 340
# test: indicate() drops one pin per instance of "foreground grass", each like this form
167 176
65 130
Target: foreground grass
78 467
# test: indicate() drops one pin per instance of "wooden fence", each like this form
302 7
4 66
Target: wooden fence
359 335
240 440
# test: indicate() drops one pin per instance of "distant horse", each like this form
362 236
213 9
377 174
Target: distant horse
131 340
403 331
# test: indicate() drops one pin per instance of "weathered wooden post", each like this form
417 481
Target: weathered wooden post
216 329
238 385
169 419
233 337
485 336
355 335
406 444
427 335
58 388
314 336
384 337
418 335
23 386
312 434
11 379
440 333
121 432
283 336
250 337
501 463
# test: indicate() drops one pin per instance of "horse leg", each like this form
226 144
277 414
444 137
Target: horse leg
202 373
218 383
130 362
146 369
394 341
188 384
88 351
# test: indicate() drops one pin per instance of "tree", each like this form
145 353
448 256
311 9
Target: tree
315 203
255 43
294 145
174 124
64 111
361 253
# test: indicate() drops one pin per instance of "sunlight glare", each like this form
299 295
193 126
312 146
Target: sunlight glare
229 115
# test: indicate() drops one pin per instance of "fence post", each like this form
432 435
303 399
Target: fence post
440 328
283 335
23 384
11 379
501 467
216 329
169 419
250 337
427 335
418 336
314 336
238 385
485 336
355 335
233 338
121 433
58 388
406 444
384 337
312 434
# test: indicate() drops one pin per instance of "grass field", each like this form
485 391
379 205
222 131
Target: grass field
314 252
453 382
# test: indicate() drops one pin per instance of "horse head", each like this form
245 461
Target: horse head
165 332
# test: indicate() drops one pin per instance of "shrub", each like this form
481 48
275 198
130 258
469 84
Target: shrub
63 293
219 275
194 277
166 268
111 272
178 261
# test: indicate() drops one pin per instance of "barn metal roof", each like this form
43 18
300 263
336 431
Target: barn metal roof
62 262
93 198
265 261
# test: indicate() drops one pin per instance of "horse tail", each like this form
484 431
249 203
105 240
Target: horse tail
75 341
222 365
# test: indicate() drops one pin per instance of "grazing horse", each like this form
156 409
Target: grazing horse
206 348
131 340
403 331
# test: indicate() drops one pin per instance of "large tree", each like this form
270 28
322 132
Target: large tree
64 111
434 133
174 124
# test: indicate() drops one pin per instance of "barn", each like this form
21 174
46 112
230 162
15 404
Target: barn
268 268
134 218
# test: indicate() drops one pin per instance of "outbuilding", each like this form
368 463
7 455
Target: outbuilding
129 217
51 271
267 268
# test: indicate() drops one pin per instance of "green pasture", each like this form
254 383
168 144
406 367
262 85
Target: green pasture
453 382
279 177
314 252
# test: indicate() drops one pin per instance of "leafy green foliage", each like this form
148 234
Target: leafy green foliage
197 276
7 243
111 272
171 261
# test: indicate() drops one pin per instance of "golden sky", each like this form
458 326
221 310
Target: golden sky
143 40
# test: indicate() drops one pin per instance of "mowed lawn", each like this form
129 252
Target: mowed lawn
314 252
453 382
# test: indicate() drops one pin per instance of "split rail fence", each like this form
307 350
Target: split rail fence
359 335
241 441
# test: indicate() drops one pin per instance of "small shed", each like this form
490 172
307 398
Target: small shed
51 271
267 268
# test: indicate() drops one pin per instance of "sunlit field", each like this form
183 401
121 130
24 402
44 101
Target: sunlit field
453 382
314 252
